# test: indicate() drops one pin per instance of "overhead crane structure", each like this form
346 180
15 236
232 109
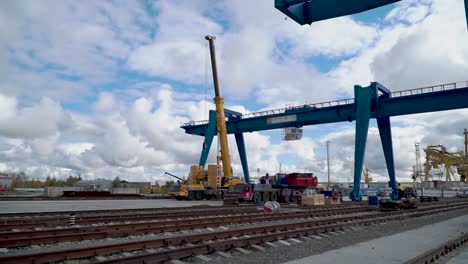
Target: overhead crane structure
373 101
308 11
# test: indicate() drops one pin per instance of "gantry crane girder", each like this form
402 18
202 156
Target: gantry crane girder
308 11
374 101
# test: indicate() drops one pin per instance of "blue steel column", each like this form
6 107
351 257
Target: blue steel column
209 134
386 138
362 97
243 156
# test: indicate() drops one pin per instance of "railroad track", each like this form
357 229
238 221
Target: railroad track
47 221
26 238
443 250
185 245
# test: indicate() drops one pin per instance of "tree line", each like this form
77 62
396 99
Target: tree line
21 180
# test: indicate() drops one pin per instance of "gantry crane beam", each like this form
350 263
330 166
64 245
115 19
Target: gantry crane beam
415 101
308 11
374 101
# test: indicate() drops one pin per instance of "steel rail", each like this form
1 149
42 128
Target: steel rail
47 222
43 223
433 255
194 238
18 239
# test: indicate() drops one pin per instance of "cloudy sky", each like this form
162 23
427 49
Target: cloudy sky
100 88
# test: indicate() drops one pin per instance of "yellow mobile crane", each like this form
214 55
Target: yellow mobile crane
205 183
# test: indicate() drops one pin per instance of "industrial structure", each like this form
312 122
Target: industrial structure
437 155
373 101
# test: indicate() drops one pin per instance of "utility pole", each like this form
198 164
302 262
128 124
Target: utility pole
466 144
418 168
328 164
418 160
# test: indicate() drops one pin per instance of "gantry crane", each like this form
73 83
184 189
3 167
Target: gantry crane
365 172
438 154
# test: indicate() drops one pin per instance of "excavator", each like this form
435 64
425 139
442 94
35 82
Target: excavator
209 184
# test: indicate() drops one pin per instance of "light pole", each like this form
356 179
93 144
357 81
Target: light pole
328 164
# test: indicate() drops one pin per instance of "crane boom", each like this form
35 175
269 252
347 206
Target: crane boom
221 120
177 177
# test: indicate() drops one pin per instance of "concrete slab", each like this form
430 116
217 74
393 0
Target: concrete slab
284 243
259 248
295 240
203 258
272 245
243 250
223 254
83 205
176 261
461 258
396 248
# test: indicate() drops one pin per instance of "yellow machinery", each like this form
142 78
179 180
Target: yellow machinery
208 183
438 154
365 172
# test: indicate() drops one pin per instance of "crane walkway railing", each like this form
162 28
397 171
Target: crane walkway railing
401 93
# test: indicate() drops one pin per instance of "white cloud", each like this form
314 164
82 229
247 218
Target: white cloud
56 53
175 60
40 120
105 102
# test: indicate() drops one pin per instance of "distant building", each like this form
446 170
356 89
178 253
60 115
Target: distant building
6 181
139 185
100 184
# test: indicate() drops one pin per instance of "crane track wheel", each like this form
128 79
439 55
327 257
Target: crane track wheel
266 196
257 197
274 197
293 198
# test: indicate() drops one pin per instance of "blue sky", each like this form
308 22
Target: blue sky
101 88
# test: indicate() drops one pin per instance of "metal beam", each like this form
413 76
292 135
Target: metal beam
211 131
466 12
363 109
394 105
307 12
243 155
385 132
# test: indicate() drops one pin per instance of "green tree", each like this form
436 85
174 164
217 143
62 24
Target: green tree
116 183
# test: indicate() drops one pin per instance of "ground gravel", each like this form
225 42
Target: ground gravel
314 246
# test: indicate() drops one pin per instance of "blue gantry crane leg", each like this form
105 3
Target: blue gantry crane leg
243 155
367 101
385 132
363 97
211 131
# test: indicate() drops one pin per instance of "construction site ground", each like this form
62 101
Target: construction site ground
82 205
381 242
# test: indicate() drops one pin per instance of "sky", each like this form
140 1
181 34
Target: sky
100 88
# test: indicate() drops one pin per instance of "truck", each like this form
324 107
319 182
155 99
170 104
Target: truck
280 187
202 184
